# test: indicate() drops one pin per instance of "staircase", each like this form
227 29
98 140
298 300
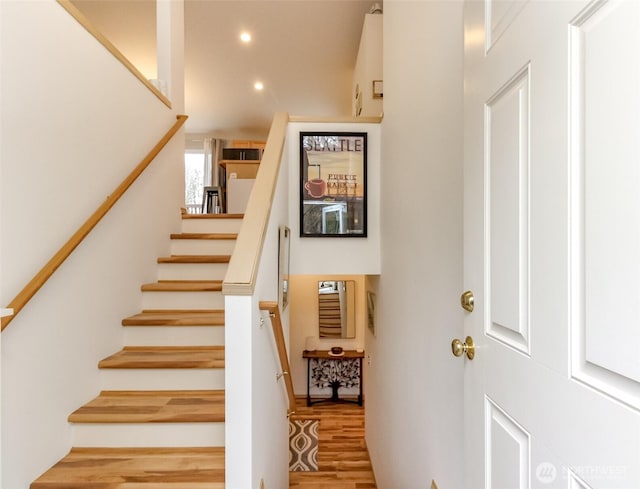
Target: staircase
159 422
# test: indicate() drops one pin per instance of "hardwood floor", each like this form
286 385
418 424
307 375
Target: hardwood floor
120 468
153 407
343 458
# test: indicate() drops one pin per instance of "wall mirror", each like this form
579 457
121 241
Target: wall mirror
337 309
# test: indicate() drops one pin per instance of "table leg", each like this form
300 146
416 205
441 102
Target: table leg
308 382
360 395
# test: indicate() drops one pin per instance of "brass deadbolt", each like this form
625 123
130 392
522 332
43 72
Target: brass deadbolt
466 301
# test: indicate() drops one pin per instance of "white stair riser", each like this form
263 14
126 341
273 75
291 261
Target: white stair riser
211 225
192 271
174 335
182 300
202 246
148 434
162 379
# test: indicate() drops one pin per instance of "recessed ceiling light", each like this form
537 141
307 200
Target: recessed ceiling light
245 37
258 85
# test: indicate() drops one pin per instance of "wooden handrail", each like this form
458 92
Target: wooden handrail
278 333
63 253
243 268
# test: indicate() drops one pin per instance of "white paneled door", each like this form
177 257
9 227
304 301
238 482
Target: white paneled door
552 243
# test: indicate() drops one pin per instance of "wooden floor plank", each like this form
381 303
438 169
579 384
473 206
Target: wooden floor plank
152 407
166 357
183 286
176 318
212 216
205 236
195 259
343 458
136 468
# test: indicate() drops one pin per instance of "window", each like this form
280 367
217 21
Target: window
193 180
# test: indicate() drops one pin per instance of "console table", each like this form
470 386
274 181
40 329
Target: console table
326 370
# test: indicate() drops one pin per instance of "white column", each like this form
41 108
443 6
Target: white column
170 45
238 392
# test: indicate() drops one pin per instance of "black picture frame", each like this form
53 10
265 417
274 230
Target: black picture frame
333 184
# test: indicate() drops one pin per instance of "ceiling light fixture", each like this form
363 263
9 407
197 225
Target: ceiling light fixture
258 85
245 37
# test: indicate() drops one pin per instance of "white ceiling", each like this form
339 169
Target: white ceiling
304 52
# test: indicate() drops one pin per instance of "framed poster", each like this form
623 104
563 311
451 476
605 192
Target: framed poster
333 184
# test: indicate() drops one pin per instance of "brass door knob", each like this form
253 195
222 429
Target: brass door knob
459 348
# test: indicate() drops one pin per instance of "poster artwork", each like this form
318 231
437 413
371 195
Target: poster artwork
333 184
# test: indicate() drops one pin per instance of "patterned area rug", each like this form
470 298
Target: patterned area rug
303 445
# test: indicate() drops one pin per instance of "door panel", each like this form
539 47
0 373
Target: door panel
552 244
605 179
507 194
507 448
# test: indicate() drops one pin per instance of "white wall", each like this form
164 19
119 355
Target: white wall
369 66
75 122
130 26
256 425
303 316
170 33
350 256
414 385
2 311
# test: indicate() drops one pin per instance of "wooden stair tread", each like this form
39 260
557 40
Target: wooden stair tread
166 357
153 407
210 236
183 286
176 318
212 216
195 259
136 468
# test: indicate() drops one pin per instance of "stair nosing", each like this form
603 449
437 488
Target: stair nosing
196 259
181 311
172 348
159 410
159 392
141 463
176 318
183 286
119 361
205 236
212 216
